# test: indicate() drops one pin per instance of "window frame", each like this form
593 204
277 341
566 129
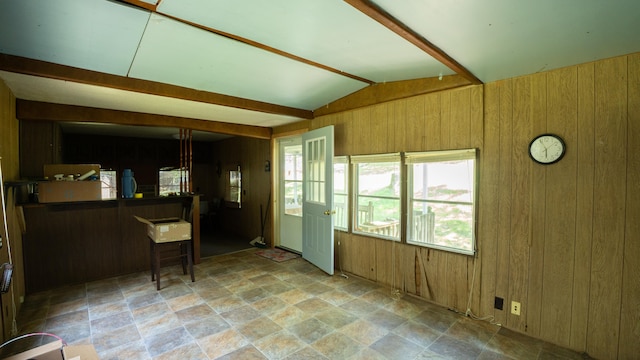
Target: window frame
357 160
108 184
345 210
181 173
433 157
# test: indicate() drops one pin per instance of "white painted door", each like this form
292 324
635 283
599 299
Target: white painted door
290 190
317 205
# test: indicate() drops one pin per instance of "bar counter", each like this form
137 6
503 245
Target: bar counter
77 242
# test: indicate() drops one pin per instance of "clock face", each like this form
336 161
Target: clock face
547 149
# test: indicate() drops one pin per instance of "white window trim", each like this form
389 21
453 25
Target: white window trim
439 156
391 157
435 156
344 160
374 158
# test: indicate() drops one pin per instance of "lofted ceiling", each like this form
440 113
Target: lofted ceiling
262 64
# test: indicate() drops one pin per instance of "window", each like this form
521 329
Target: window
441 199
109 184
235 188
341 192
169 181
293 180
377 195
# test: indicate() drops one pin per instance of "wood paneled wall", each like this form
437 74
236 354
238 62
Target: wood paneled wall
74 243
9 151
251 154
565 235
563 239
444 120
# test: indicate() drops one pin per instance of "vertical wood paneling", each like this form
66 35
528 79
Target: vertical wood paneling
476 116
379 138
360 256
251 155
348 126
609 207
561 239
538 208
408 274
433 275
397 126
347 253
460 137
560 220
476 141
504 196
338 132
9 151
457 281
414 124
432 123
520 209
488 199
9 136
584 207
362 132
460 109
423 288
630 309
445 120
384 261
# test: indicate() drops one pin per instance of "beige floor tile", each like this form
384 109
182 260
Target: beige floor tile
222 343
243 306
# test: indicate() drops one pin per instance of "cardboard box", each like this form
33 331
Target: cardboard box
167 230
67 191
69 169
55 351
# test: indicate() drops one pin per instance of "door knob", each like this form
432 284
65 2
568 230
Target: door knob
329 212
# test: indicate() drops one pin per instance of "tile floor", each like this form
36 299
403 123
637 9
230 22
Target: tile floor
243 306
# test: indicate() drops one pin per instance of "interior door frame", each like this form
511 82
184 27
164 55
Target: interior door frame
278 200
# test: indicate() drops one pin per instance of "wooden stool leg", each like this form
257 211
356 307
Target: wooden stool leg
183 254
190 260
157 266
151 257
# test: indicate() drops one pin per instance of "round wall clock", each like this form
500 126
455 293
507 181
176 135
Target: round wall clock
547 149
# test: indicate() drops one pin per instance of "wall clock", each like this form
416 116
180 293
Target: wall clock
547 149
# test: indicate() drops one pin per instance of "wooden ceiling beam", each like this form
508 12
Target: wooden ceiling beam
141 4
380 15
390 91
49 70
42 111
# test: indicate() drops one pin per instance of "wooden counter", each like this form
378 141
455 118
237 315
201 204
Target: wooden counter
73 243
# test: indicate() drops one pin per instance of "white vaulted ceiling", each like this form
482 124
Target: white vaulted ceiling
297 55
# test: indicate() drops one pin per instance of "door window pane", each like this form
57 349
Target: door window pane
293 180
315 170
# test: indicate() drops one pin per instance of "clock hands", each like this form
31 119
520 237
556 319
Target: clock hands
546 156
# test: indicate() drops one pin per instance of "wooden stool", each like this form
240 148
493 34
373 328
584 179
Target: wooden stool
185 257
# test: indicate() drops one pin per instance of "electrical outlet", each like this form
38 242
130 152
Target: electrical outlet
515 308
